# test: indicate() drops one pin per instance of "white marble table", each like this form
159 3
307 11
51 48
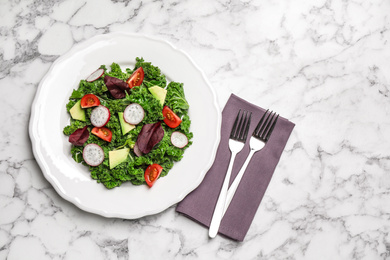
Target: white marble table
323 64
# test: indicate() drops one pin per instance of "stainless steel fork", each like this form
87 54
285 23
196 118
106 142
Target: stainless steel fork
257 141
237 140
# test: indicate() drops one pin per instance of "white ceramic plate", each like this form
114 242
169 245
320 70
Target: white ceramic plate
52 149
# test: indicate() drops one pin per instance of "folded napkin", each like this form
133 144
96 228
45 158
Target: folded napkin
199 204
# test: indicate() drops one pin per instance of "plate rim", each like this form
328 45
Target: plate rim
38 153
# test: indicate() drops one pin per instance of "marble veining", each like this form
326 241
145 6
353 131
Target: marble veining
323 64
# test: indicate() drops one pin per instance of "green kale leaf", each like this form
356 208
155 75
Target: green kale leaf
175 98
153 75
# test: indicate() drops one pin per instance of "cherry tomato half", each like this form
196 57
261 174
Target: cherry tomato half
170 118
103 133
152 173
89 100
136 78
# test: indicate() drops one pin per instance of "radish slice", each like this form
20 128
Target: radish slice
95 75
137 151
179 139
100 116
93 154
133 114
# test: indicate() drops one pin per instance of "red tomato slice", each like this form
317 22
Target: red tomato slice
103 133
152 173
136 78
170 118
89 100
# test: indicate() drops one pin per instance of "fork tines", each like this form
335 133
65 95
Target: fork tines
241 126
265 126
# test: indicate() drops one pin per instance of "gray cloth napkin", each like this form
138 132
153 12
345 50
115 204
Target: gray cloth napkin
199 204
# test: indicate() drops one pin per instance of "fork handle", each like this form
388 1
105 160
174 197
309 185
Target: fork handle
236 182
219 207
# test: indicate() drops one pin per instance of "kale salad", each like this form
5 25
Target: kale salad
128 125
